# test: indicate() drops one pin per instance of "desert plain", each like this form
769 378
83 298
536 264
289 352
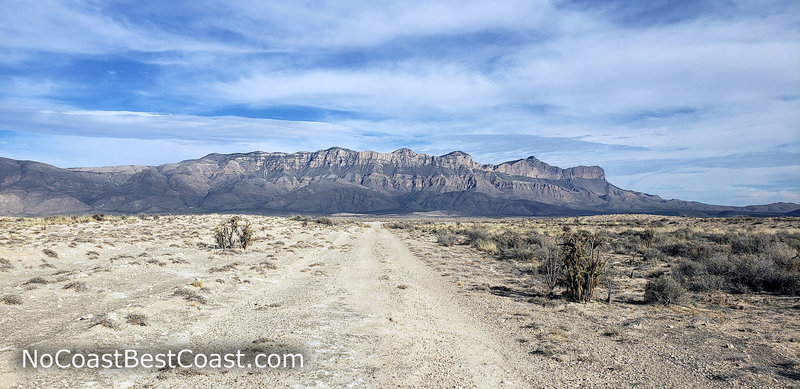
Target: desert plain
404 302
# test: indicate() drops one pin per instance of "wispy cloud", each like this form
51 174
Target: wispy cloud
662 86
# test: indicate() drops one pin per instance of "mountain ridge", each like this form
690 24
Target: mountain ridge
336 180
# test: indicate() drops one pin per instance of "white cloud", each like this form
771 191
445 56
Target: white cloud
419 73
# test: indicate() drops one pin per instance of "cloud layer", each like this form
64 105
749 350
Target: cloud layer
694 100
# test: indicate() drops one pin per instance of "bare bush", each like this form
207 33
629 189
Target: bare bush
551 268
234 233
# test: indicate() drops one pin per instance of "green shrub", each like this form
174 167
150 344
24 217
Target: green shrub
663 290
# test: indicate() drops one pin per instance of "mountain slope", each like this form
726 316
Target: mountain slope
333 181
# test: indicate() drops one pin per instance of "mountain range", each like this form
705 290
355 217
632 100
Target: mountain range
334 181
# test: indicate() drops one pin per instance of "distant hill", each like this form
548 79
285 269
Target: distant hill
337 180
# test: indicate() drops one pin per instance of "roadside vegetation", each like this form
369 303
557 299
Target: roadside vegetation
677 257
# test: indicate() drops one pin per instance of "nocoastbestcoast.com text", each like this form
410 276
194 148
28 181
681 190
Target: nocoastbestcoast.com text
173 359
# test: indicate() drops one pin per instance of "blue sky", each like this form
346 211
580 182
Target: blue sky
697 100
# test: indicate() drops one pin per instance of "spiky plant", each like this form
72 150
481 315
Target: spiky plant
583 264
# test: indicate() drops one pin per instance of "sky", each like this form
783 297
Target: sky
696 100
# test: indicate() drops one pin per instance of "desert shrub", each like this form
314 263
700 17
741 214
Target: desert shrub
692 249
583 264
647 237
513 239
624 242
663 290
653 255
517 246
748 243
551 268
77 286
486 245
11 299
324 221
50 253
790 238
104 320
36 280
5 264
519 252
476 233
737 273
234 233
446 238
783 255
400 225
137 319
190 295
674 249
98 217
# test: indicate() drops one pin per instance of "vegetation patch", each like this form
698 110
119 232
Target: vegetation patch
663 290
236 232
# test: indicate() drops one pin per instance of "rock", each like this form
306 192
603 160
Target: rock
333 181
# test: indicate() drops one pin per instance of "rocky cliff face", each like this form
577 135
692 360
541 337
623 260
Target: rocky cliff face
331 181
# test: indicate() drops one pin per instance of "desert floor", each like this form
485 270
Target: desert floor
368 306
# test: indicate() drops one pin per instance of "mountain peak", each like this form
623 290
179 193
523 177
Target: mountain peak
331 181
404 151
457 153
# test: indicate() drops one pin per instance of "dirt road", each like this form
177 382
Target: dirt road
364 310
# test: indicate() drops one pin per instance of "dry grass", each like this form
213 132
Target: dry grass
137 319
77 286
190 295
6 265
36 280
104 320
11 299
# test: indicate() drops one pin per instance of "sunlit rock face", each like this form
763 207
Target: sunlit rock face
333 181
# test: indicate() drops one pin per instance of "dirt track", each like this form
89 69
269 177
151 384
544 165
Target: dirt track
367 307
